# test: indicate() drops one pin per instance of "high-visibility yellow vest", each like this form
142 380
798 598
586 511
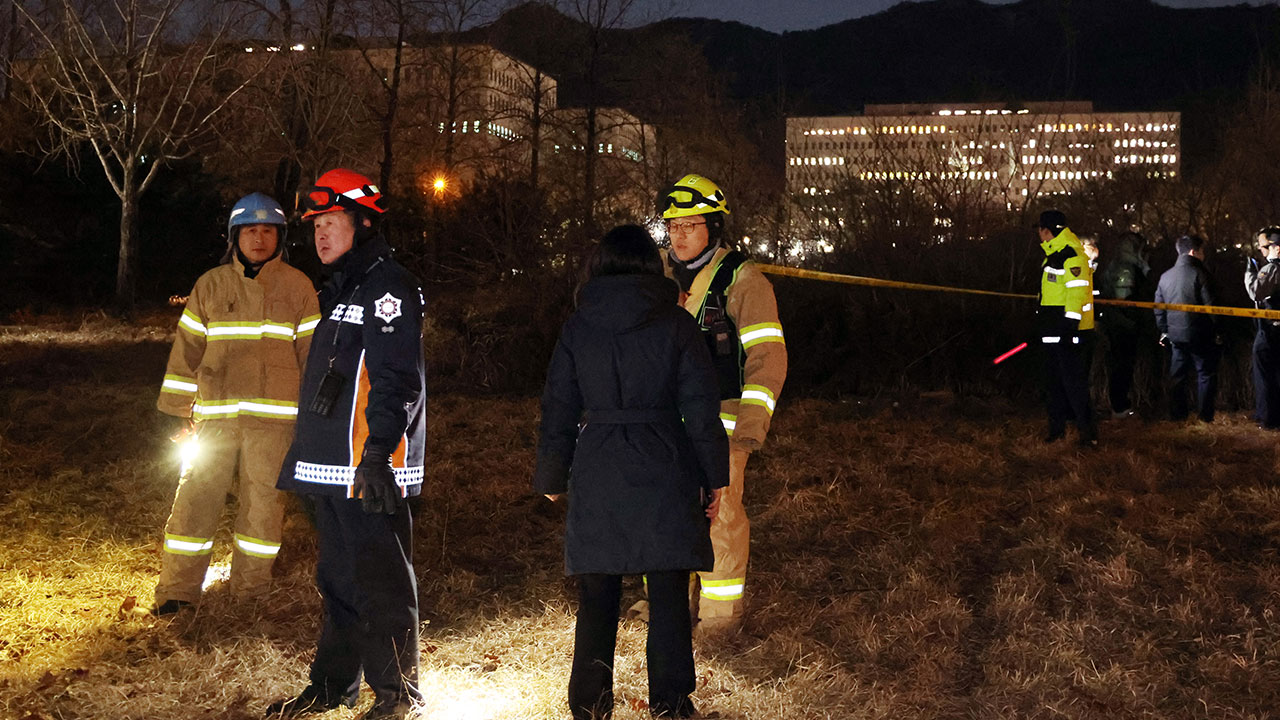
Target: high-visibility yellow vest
1066 280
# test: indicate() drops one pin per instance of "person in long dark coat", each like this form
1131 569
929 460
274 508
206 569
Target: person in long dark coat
631 433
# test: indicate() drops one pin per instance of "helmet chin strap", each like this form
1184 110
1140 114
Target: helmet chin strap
685 272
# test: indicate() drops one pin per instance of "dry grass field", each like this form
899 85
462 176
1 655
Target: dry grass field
925 558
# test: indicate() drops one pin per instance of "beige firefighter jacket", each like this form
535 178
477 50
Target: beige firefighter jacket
754 311
241 345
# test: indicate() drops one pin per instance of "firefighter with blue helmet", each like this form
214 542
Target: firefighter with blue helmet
232 379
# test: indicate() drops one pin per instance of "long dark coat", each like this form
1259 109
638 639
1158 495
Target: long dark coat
629 366
1188 282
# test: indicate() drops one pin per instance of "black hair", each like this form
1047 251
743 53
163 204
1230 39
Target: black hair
1187 243
1053 220
1270 231
625 250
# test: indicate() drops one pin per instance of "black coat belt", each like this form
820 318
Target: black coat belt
636 416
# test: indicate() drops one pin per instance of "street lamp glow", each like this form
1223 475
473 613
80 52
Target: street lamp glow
440 184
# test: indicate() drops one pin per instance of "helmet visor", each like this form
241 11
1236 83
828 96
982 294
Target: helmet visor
687 198
321 199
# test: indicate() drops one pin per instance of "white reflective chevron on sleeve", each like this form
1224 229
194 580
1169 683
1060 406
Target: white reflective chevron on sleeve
1050 340
1076 283
1074 315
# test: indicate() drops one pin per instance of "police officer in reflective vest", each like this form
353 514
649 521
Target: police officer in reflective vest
232 378
735 307
1066 309
358 455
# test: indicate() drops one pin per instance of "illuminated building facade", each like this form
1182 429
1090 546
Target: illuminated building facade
1010 153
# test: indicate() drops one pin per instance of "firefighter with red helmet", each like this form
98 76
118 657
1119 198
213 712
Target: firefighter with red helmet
232 379
358 456
736 309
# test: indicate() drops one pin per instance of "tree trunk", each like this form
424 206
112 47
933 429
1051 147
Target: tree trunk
10 51
535 129
451 107
126 267
589 176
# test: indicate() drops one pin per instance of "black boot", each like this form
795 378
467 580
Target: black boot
389 710
169 607
310 701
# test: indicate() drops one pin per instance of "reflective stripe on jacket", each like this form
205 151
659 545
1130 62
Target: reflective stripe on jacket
752 307
1066 281
241 344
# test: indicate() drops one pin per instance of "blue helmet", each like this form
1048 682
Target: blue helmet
256 209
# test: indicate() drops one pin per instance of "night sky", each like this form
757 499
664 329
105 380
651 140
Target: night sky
806 14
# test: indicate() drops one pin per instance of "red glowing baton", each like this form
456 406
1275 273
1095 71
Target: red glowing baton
1009 354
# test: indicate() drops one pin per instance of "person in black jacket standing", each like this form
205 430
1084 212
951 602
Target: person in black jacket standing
358 455
645 473
1263 284
1123 277
1193 336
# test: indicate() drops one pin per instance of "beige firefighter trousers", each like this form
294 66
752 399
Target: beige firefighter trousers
202 492
721 590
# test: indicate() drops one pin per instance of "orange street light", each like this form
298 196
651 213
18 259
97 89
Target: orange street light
440 184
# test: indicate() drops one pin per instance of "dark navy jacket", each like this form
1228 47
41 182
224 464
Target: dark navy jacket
631 430
371 327
1186 283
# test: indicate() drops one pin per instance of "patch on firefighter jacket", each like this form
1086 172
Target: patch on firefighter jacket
1075 271
387 307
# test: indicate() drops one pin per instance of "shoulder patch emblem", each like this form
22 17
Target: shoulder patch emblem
387 308
1075 271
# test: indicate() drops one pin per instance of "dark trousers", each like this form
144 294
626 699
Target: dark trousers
668 651
1067 385
365 576
1122 351
1204 357
1266 375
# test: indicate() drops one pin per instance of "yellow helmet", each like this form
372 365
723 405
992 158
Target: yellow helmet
692 195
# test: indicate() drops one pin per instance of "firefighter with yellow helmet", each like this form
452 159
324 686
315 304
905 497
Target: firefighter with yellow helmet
736 309
233 378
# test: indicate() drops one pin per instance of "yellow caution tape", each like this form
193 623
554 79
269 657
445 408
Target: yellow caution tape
877 282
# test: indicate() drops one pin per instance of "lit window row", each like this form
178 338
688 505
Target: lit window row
837 131
912 129
502 131
827 160
981 112
1063 175
464 126
1139 142
1051 159
1146 159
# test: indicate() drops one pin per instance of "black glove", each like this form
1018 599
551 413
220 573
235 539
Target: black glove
375 482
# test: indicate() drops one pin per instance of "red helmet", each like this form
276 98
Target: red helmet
342 189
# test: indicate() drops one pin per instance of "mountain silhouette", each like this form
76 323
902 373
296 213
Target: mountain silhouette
1124 55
